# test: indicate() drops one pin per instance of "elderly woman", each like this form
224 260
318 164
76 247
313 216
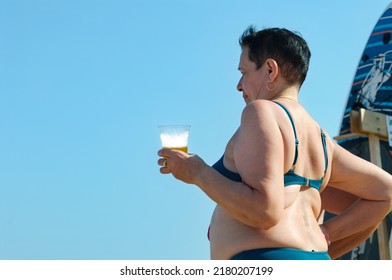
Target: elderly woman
268 183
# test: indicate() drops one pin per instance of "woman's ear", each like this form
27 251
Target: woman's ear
273 69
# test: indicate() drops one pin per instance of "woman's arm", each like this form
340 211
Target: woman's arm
340 247
373 187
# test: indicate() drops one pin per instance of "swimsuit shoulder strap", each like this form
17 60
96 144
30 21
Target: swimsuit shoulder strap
295 132
323 137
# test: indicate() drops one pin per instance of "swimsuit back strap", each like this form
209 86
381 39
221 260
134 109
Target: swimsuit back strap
295 132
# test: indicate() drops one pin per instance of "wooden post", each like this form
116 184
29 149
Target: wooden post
374 126
382 231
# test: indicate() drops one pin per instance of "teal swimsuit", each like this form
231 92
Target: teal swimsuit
290 178
280 254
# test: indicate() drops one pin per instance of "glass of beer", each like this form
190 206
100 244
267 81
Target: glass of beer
174 137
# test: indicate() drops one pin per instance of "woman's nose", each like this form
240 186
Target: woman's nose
239 85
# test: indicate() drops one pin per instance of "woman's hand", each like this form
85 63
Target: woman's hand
183 166
326 234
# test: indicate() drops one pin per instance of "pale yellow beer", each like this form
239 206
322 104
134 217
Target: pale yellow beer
184 149
174 137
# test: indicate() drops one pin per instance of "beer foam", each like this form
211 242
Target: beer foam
174 140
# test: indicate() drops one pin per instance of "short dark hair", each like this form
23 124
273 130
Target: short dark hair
287 48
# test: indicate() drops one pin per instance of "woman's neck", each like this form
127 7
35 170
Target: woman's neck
288 93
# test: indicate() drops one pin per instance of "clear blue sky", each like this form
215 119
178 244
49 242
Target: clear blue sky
84 85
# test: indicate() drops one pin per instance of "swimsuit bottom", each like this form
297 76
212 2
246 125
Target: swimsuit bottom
280 254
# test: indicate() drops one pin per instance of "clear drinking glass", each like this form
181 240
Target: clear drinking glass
174 137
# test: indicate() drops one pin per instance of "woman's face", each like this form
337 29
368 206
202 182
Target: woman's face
252 82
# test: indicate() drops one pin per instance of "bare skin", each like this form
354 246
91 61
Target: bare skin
260 212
